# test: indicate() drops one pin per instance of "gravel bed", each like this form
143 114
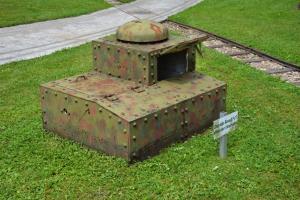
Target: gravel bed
175 27
267 66
246 57
228 50
292 77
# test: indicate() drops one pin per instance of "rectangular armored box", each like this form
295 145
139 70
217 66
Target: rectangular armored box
147 63
128 119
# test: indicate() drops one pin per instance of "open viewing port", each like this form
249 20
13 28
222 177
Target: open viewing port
172 65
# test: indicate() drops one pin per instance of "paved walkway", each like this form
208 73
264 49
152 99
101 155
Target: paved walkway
42 38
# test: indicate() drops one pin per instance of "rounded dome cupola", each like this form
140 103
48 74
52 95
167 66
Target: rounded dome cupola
142 31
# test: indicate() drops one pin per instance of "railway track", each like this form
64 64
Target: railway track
254 58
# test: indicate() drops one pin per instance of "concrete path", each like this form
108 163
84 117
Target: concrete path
42 38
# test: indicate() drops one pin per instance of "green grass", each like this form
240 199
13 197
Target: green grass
269 25
263 160
14 12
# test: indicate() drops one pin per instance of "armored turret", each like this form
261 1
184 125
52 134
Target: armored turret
142 94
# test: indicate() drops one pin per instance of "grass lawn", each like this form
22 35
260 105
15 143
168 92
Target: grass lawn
269 25
14 12
263 160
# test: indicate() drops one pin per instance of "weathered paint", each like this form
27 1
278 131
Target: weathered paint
142 31
138 62
122 109
110 114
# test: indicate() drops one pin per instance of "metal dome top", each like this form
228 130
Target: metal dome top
142 31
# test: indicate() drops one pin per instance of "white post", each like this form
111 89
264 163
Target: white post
223 141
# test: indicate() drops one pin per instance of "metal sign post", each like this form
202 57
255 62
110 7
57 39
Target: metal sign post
223 141
222 127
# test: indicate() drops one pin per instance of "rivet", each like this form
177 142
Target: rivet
145 77
43 97
193 100
109 74
153 81
134 154
139 55
134 137
86 105
128 52
66 98
186 109
99 46
44 112
201 98
76 101
186 122
125 145
145 68
145 120
182 110
209 95
95 47
100 109
152 74
152 64
155 116
109 116
224 99
182 123
45 122
119 121
140 81
144 57
118 50
175 108
217 91
55 94
166 112
129 79
224 89
46 91
108 48
95 58
124 131
134 124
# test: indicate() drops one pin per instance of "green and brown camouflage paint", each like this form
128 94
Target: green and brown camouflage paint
122 109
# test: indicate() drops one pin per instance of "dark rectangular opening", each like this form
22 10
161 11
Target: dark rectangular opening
172 65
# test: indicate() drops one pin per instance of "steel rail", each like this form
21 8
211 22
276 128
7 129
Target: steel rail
241 46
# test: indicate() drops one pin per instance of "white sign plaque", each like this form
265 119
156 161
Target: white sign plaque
224 125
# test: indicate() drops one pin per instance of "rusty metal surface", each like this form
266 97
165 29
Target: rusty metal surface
142 31
138 62
87 113
129 106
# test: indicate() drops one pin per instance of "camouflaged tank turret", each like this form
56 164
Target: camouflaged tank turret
142 95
